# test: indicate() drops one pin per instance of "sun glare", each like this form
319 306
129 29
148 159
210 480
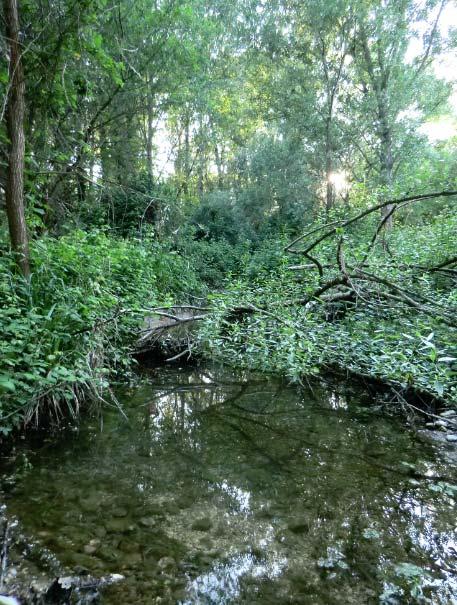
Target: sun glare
440 130
339 181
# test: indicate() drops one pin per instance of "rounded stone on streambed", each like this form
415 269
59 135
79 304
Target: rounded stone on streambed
92 547
265 512
61 541
166 564
156 551
155 509
171 507
90 504
441 424
109 554
203 524
299 526
99 531
81 561
119 525
128 546
186 501
452 438
147 522
132 559
179 595
205 560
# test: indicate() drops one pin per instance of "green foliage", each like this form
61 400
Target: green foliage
73 325
405 348
257 105
215 218
129 209
214 261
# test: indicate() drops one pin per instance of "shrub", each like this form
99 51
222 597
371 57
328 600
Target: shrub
72 326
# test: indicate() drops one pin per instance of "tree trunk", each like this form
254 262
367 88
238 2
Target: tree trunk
149 132
219 166
186 162
387 163
330 189
14 193
201 157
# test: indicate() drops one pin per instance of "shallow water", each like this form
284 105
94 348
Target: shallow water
225 488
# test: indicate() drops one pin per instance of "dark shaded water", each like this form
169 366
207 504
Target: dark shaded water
224 488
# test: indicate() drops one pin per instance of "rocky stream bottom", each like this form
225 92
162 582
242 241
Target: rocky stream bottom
222 487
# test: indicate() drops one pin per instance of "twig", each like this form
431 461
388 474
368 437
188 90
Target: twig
4 553
179 355
403 400
395 202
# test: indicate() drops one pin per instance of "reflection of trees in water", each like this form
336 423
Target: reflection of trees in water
291 474
177 406
315 464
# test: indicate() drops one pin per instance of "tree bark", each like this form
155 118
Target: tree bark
149 131
219 166
330 190
14 193
387 163
186 162
379 83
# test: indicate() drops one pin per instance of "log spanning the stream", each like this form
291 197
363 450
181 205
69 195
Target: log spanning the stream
168 330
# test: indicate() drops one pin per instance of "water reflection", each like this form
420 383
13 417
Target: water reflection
222 584
230 488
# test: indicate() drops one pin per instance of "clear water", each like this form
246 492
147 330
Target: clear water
222 488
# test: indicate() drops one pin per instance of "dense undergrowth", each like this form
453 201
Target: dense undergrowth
413 351
70 331
71 328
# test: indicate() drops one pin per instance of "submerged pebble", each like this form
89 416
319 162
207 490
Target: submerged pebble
299 526
119 526
148 522
166 563
202 524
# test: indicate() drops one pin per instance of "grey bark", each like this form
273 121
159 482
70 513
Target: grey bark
14 192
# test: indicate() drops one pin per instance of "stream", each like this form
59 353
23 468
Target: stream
223 487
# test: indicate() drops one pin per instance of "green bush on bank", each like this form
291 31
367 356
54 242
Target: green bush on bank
72 326
393 343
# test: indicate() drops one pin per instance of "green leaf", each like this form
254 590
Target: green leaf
438 387
7 384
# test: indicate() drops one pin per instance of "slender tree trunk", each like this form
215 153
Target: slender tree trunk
105 161
201 163
330 189
200 171
186 162
149 133
379 82
387 164
220 170
14 194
